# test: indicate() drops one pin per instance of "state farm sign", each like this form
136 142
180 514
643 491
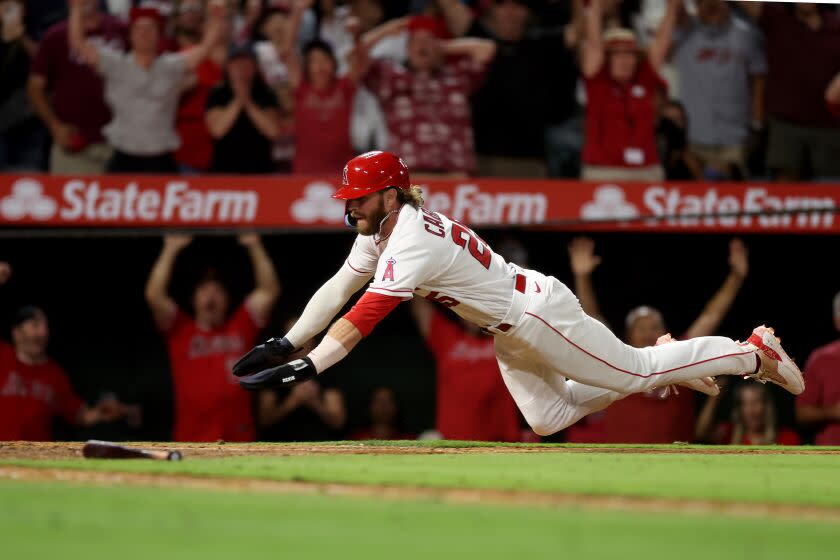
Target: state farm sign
306 203
88 201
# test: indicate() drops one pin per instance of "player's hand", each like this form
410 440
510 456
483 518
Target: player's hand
287 375
739 262
270 353
582 256
5 272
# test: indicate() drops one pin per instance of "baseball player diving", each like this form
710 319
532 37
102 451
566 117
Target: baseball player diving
558 363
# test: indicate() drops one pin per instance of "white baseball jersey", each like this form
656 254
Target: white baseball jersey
432 256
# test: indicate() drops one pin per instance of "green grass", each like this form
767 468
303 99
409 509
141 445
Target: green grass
791 479
41 520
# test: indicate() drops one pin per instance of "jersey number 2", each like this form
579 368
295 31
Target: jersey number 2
466 238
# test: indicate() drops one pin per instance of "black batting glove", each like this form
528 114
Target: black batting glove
270 353
296 371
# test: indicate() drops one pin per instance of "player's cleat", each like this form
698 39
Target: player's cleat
776 366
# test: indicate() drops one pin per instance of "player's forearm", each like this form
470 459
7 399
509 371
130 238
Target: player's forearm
342 337
323 307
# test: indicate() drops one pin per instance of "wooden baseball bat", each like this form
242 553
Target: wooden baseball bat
95 449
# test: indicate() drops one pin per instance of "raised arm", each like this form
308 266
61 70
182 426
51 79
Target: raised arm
661 44
717 308
212 34
584 261
157 286
267 286
387 29
290 54
593 46
480 50
83 48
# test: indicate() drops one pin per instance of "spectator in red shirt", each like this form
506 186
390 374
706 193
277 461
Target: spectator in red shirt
650 417
472 400
67 94
623 91
34 389
196 152
323 103
803 54
209 405
384 414
819 406
426 101
753 421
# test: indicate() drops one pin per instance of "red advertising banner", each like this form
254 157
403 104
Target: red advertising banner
118 201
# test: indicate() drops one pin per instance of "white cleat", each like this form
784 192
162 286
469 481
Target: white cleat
776 366
705 385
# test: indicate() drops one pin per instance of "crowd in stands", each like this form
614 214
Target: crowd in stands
598 89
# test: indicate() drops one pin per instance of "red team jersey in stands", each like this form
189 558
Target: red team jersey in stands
31 396
472 400
209 404
822 370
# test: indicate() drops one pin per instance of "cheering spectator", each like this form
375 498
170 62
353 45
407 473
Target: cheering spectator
196 152
753 421
384 416
819 406
209 405
426 101
530 84
242 116
622 95
22 138
34 389
68 94
472 400
142 88
311 411
650 417
721 67
803 55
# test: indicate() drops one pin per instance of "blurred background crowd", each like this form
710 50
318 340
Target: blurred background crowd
599 89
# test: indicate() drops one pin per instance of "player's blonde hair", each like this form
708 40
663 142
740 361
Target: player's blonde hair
412 195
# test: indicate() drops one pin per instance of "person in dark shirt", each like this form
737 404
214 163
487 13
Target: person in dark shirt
242 117
529 85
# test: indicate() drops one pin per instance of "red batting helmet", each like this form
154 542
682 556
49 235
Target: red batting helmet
372 172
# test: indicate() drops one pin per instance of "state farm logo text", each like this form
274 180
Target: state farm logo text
88 201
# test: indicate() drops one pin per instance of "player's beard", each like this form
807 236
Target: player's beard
369 223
